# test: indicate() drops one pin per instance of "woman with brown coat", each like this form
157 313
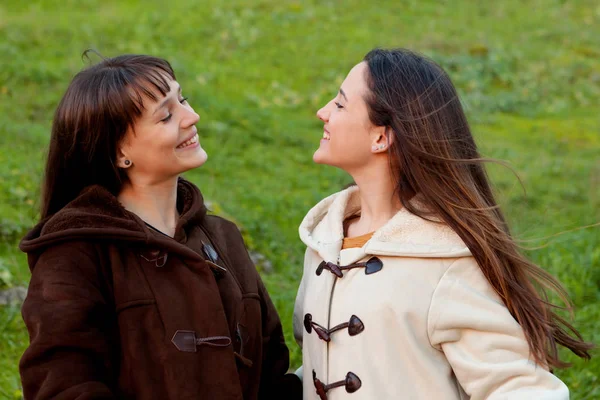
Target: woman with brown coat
136 292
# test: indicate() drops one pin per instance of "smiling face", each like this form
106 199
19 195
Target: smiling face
164 141
349 140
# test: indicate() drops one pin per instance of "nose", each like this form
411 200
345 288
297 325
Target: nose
323 114
191 118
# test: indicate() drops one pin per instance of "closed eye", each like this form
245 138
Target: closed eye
168 117
338 105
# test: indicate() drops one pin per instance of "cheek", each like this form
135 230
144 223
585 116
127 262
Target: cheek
355 145
155 145
349 135
165 138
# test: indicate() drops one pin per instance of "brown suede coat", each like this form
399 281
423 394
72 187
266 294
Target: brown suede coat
118 310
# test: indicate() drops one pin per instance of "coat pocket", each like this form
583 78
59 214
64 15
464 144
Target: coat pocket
141 336
134 303
136 318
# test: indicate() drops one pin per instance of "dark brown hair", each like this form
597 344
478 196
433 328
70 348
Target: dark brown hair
100 104
434 156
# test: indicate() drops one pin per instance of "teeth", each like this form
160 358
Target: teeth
188 142
326 135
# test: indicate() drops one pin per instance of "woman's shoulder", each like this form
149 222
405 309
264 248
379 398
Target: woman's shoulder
222 229
81 260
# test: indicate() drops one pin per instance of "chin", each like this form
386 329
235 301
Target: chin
320 158
202 157
198 160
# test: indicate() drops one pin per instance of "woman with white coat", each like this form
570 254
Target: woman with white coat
413 287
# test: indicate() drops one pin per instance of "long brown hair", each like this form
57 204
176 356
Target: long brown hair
434 155
100 104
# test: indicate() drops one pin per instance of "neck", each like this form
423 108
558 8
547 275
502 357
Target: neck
378 201
155 204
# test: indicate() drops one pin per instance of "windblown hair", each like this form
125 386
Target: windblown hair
434 156
100 104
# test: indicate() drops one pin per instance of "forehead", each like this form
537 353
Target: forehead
154 95
355 81
150 88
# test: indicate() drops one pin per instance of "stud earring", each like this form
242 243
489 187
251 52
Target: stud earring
381 146
127 162
374 148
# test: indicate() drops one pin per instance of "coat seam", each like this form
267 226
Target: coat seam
433 295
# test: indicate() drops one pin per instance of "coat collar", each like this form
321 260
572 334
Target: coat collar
96 214
405 235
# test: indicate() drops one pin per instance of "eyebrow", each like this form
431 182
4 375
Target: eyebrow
343 94
165 101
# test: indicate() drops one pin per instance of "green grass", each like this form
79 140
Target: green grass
257 71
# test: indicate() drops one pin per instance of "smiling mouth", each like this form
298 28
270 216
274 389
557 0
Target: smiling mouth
326 135
189 142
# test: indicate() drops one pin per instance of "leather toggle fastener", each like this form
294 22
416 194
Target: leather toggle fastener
354 326
188 342
211 259
373 265
352 383
210 252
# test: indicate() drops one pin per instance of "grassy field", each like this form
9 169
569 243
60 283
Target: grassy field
257 71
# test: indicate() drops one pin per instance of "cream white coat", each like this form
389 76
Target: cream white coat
434 327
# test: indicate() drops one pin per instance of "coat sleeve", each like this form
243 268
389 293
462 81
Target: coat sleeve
68 321
483 343
276 383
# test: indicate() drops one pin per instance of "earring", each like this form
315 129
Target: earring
381 146
374 148
127 162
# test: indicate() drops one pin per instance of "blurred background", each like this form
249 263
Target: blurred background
257 71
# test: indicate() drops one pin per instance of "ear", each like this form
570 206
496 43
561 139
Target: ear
123 160
381 139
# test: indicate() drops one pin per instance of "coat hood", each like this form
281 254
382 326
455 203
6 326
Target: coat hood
97 215
405 235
